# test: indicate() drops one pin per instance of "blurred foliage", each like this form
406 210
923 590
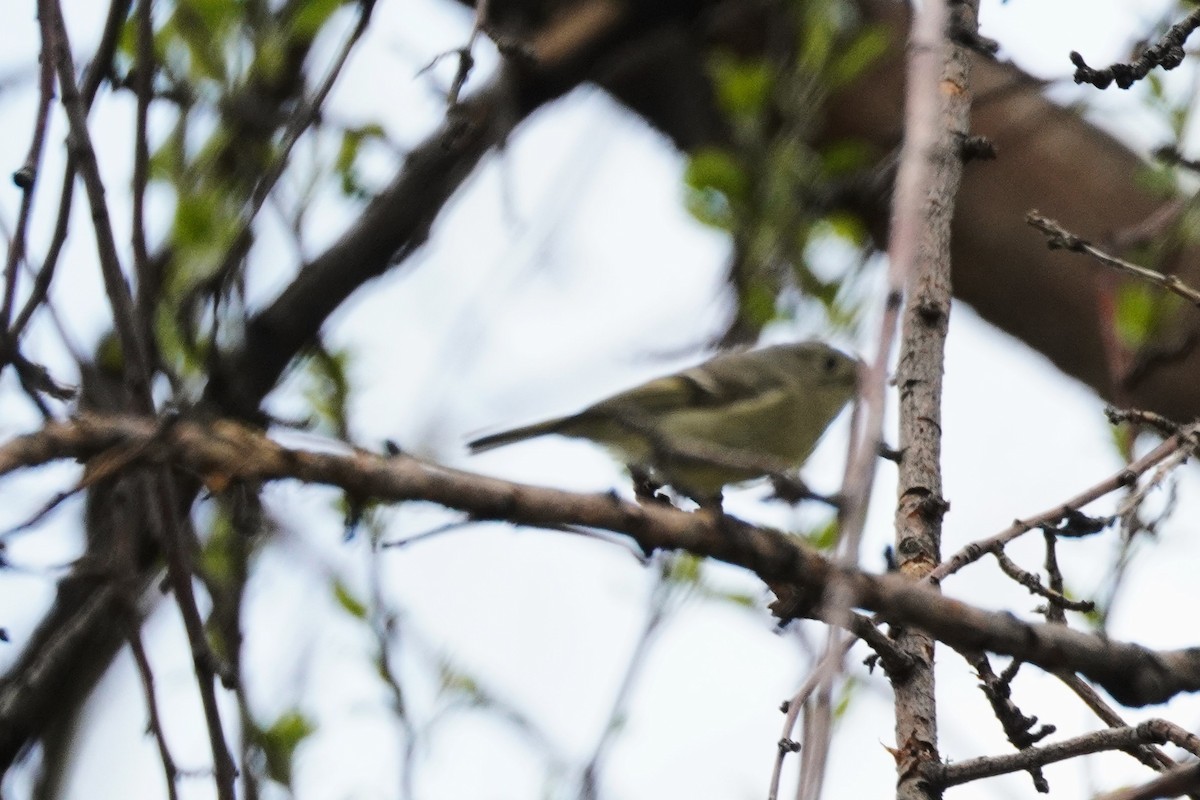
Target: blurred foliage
771 189
278 744
348 602
1141 312
326 388
231 84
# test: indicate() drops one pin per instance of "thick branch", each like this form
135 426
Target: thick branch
223 452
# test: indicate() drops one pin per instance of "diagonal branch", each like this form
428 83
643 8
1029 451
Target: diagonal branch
398 221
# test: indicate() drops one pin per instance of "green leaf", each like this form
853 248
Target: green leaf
712 168
1135 314
684 568
717 187
346 163
327 388
758 303
737 598
846 156
348 601
743 87
824 537
455 681
279 743
845 696
311 16
1158 179
856 57
203 26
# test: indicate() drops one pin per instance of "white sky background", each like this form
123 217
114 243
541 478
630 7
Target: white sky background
566 270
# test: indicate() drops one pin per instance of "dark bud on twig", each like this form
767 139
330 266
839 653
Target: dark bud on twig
977 148
24 177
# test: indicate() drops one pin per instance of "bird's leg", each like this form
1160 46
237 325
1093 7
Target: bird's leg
646 488
711 503
791 489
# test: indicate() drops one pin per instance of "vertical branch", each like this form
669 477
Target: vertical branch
176 535
26 177
143 84
937 119
133 345
170 770
94 75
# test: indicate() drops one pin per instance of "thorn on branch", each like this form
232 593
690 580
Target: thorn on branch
24 177
976 148
889 453
965 35
789 746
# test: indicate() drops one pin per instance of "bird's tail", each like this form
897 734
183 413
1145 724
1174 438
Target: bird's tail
502 438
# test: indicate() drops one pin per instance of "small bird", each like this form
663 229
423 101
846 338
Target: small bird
736 417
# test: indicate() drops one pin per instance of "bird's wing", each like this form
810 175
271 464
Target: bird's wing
696 388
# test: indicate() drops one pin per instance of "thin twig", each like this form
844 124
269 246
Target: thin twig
170 771
133 345
1167 53
792 709
1059 238
305 115
176 536
143 85
946 775
1150 755
1183 779
1124 477
26 177
661 595
1031 582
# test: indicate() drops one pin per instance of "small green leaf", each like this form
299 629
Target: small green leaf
743 87
845 697
711 168
1135 313
846 156
312 15
758 303
348 601
279 743
856 57
684 568
737 598
824 537
845 226
346 162
1158 179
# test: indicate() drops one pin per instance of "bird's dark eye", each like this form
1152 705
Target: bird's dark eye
830 363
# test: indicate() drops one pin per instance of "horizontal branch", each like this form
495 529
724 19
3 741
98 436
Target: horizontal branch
224 452
947 775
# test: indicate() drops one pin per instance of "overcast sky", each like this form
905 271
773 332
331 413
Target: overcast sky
568 269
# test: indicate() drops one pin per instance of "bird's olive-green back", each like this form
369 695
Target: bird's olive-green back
736 417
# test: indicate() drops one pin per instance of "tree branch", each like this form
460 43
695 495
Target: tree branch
224 452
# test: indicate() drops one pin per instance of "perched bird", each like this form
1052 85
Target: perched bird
736 417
